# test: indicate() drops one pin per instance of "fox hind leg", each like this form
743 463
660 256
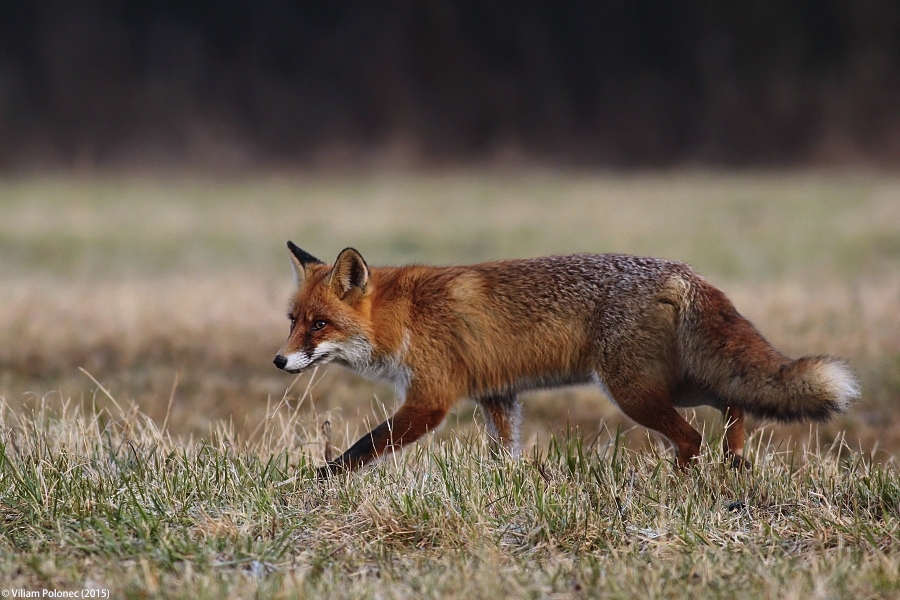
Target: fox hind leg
503 418
735 436
652 407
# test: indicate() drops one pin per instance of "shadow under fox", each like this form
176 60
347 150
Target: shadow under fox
653 334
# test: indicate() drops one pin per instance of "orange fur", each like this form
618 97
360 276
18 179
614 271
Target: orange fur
653 333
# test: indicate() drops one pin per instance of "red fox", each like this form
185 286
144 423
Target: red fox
652 333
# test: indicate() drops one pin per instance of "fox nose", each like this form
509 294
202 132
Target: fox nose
280 361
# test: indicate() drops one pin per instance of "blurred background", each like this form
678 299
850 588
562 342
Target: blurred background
640 83
155 157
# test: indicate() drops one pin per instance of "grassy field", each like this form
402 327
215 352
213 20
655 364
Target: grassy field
150 447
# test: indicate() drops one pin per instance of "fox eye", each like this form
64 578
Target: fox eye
318 325
293 322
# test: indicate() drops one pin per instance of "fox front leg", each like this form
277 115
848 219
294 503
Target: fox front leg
406 425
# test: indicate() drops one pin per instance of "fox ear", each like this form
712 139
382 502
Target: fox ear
349 273
300 261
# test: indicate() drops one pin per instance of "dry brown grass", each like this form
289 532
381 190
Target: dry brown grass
109 500
172 295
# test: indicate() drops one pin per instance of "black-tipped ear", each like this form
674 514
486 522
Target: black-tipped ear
300 261
305 258
350 273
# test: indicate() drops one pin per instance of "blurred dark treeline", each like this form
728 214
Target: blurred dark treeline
616 82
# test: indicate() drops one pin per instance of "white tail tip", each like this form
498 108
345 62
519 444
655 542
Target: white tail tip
840 381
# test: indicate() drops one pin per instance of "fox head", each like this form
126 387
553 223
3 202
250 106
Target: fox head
327 312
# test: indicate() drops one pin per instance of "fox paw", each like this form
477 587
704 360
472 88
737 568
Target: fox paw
325 472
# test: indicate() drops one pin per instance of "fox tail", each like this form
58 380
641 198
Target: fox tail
726 355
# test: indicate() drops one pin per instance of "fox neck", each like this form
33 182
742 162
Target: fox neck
382 355
363 358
